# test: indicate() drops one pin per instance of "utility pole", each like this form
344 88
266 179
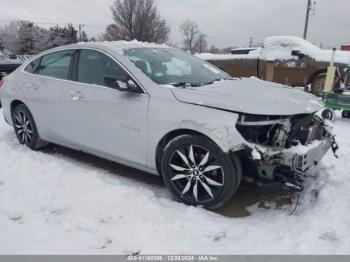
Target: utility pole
80 31
308 8
311 6
251 41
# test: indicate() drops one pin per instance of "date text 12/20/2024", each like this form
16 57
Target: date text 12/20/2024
173 258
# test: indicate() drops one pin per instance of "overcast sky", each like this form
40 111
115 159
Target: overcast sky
226 22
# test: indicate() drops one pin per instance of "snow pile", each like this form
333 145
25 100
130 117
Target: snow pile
254 54
281 47
121 46
54 204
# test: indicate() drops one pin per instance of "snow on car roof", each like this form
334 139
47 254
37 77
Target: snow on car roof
121 46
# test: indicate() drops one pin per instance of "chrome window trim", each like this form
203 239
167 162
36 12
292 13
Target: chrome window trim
144 91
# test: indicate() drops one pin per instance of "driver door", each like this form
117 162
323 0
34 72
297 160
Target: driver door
104 120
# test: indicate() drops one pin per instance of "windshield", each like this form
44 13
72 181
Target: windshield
169 66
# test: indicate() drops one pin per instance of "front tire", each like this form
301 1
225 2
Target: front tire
25 127
198 172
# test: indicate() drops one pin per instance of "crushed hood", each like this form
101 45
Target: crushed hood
250 96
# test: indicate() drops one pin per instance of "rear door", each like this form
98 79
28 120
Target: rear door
101 119
43 82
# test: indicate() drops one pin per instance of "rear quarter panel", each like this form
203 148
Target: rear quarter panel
10 91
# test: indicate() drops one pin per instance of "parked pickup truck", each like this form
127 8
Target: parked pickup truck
283 59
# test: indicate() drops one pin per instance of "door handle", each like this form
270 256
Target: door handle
76 95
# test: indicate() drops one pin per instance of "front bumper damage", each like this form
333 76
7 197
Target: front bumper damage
288 166
299 158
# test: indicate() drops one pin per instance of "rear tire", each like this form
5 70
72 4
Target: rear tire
25 128
318 83
198 172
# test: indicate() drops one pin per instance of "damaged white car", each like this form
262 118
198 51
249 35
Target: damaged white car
166 112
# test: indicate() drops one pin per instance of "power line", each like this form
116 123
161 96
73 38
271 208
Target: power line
79 26
39 23
52 23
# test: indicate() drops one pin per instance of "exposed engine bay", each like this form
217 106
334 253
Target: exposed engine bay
283 148
281 132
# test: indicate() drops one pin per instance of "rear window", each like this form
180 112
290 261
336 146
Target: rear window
33 66
56 64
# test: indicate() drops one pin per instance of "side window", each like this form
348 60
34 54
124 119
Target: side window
94 66
33 66
56 64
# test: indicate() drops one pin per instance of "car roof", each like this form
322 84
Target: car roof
118 46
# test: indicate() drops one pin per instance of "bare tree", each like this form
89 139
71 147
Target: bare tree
112 33
201 45
191 31
172 44
215 50
137 19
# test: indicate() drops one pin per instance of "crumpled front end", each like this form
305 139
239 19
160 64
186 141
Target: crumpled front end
284 149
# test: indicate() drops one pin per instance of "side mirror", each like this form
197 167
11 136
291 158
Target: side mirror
12 56
121 83
298 53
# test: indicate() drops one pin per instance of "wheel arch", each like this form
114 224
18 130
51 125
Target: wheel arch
15 103
39 142
170 136
315 74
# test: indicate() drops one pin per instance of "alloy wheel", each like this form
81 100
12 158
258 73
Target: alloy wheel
24 128
196 174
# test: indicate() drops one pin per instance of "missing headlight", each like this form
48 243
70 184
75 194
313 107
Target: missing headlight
280 131
270 131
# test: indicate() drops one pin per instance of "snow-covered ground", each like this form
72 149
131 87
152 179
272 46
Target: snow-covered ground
58 201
